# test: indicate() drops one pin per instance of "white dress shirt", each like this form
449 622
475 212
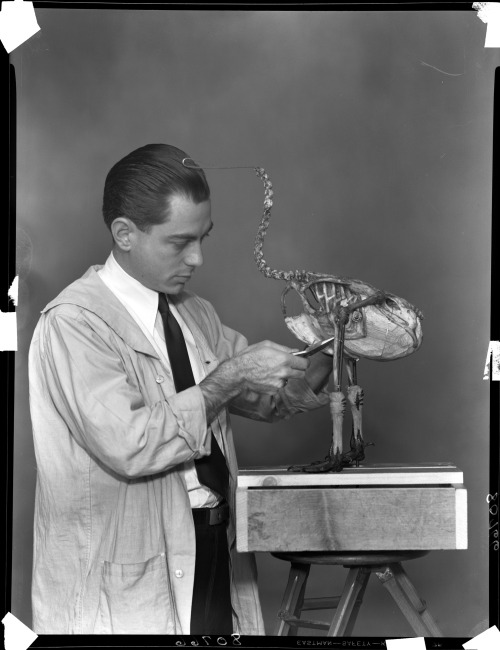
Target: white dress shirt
142 305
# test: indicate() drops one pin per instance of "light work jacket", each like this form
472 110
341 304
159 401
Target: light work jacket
114 541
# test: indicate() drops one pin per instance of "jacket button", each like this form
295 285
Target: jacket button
159 379
179 573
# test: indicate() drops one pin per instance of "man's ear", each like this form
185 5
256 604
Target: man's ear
123 230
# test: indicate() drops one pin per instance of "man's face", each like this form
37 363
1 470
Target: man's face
164 258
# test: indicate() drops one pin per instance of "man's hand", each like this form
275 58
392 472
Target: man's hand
318 373
266 367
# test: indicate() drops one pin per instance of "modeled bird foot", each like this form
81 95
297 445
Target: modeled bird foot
331 463
357 453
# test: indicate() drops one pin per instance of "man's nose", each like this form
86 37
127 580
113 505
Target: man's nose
194 256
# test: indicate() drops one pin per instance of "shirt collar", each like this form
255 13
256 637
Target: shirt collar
134 295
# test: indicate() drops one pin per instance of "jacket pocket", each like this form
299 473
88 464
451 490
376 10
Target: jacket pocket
135 598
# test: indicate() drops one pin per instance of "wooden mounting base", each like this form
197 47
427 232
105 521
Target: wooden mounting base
389 507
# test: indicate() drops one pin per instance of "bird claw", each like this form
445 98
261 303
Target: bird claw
336 462
332 463
357 453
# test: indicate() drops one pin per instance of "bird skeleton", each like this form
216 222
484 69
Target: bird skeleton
365 323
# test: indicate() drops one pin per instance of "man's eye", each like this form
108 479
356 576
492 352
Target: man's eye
179 245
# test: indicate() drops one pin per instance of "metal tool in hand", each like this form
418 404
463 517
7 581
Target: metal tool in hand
315 347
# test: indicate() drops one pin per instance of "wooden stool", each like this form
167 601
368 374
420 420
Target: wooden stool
386 565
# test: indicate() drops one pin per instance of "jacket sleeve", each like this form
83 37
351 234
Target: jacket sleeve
296 397
104 409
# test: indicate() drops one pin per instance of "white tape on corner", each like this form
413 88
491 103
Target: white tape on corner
492 362
416 643
14 290
17 23
8 322
489 13
487 640
17 635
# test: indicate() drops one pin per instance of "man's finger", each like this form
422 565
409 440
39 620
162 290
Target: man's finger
299 363
295 374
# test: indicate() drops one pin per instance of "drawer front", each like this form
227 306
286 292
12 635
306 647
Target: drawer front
351 519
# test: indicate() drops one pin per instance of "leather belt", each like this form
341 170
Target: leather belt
211 516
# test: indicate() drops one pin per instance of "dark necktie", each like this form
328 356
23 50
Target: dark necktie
212 469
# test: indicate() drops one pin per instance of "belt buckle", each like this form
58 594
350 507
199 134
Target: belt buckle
218 515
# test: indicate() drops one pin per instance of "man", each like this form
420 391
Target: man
131 381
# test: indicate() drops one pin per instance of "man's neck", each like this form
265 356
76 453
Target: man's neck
121 258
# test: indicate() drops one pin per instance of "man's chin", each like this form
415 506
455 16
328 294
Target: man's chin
176 287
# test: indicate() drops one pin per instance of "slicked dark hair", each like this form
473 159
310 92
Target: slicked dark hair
141 185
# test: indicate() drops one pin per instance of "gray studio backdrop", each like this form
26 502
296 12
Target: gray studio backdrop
376 130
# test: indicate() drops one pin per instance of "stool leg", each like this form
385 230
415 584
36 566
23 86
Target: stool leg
297 609
408 588
350 601
292 598
408 601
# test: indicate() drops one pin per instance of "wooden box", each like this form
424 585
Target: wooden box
377 507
